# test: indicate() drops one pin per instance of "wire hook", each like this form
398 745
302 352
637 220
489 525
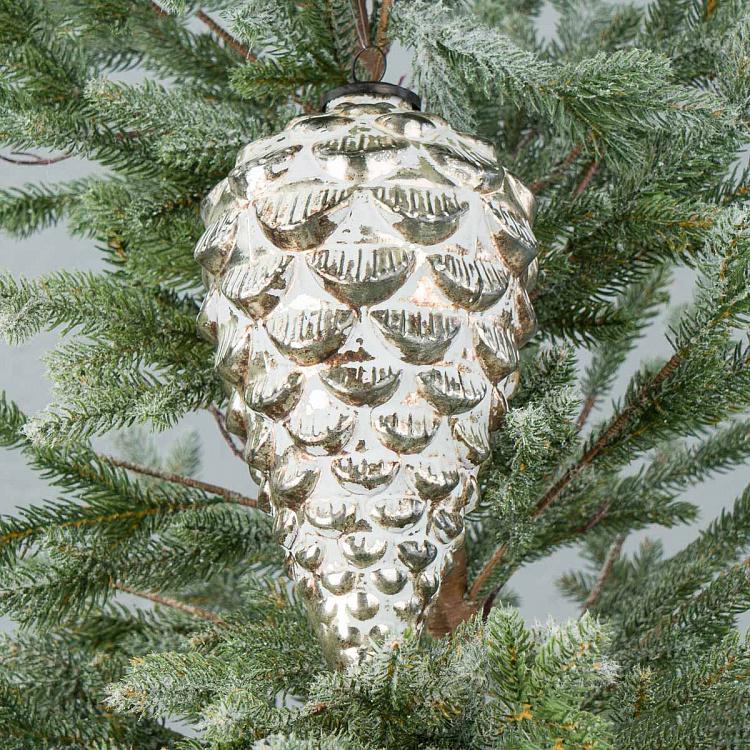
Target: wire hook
381 67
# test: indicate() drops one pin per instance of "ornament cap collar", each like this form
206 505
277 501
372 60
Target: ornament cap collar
374 88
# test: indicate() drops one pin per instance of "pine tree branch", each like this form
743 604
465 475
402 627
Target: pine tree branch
219 417
233 43
213 489
168 601
16 536
613 555
614 430
695 603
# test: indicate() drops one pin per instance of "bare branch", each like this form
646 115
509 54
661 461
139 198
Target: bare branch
35 161
381 38
168 601
225 36
587 177
220 421
556 170
361 22
385 13
588 406
486 571
212 489
220 31
613 555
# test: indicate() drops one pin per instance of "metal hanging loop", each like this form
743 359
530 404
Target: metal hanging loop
383 66
373 86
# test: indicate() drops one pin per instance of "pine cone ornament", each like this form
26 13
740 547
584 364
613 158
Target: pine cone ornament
367 273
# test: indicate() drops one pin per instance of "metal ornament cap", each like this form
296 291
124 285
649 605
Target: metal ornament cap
372 88
367 272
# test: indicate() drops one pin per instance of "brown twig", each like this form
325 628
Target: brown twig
588 407
385 13
220 31
129 134
35 161
556 170
588 175
315 708
168 601
597 516
220 421
613 555
381 36
225 36
212 489
158 9
485 572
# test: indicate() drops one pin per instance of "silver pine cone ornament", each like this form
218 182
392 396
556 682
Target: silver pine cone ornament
367 273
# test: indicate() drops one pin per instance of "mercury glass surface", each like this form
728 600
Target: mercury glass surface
367 272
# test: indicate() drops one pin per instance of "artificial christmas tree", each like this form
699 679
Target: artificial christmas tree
151 608
367 273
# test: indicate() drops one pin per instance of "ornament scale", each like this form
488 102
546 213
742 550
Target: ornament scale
367 275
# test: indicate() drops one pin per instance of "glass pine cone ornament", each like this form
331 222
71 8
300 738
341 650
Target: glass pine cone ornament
367 273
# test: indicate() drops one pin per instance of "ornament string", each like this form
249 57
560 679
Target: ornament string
361 22
375 66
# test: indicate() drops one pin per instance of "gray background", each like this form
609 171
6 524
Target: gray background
22 375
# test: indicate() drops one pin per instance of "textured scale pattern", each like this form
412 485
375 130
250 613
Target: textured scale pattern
367 273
